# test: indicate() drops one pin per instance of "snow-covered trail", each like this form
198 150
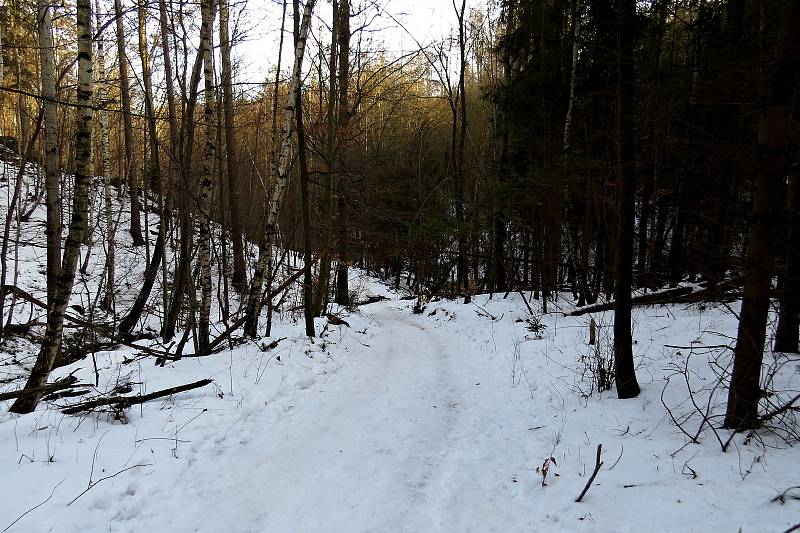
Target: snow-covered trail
383 445
436 422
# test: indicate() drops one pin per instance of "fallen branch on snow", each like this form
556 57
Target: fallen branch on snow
663 297
597 466
67 383
123 402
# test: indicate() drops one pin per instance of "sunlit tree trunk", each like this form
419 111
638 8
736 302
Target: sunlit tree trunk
77 227
206 183
108 213
50 141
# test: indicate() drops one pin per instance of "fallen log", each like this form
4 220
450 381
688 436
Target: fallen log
655 298
123 402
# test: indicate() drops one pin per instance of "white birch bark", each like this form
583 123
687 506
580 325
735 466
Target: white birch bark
102 96
281 178
206 184
77 227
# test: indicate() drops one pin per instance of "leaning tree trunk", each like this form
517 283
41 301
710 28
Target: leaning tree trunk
206 183
625 372
77 227
281 180
776 136
130 164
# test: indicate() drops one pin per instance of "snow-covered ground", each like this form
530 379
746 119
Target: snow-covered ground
477 417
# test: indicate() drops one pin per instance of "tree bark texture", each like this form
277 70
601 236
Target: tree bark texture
625 372
777 135
281 179
125 94
77 227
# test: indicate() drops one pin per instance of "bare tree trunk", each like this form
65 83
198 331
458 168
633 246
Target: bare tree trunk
77 228
174 140
342 285
281 180
499 275
183 272
174 161
788 330
107 302
153 162
52 166
777 135
130 165
625 371
206 184
321 294
463 275
274 152
308 299
154 178
3 15
235 224
10 216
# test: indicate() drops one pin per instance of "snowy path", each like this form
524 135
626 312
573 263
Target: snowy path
419 423
383 445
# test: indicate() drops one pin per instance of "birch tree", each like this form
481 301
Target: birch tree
80 202
206 183
102 96
281 179
50 142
